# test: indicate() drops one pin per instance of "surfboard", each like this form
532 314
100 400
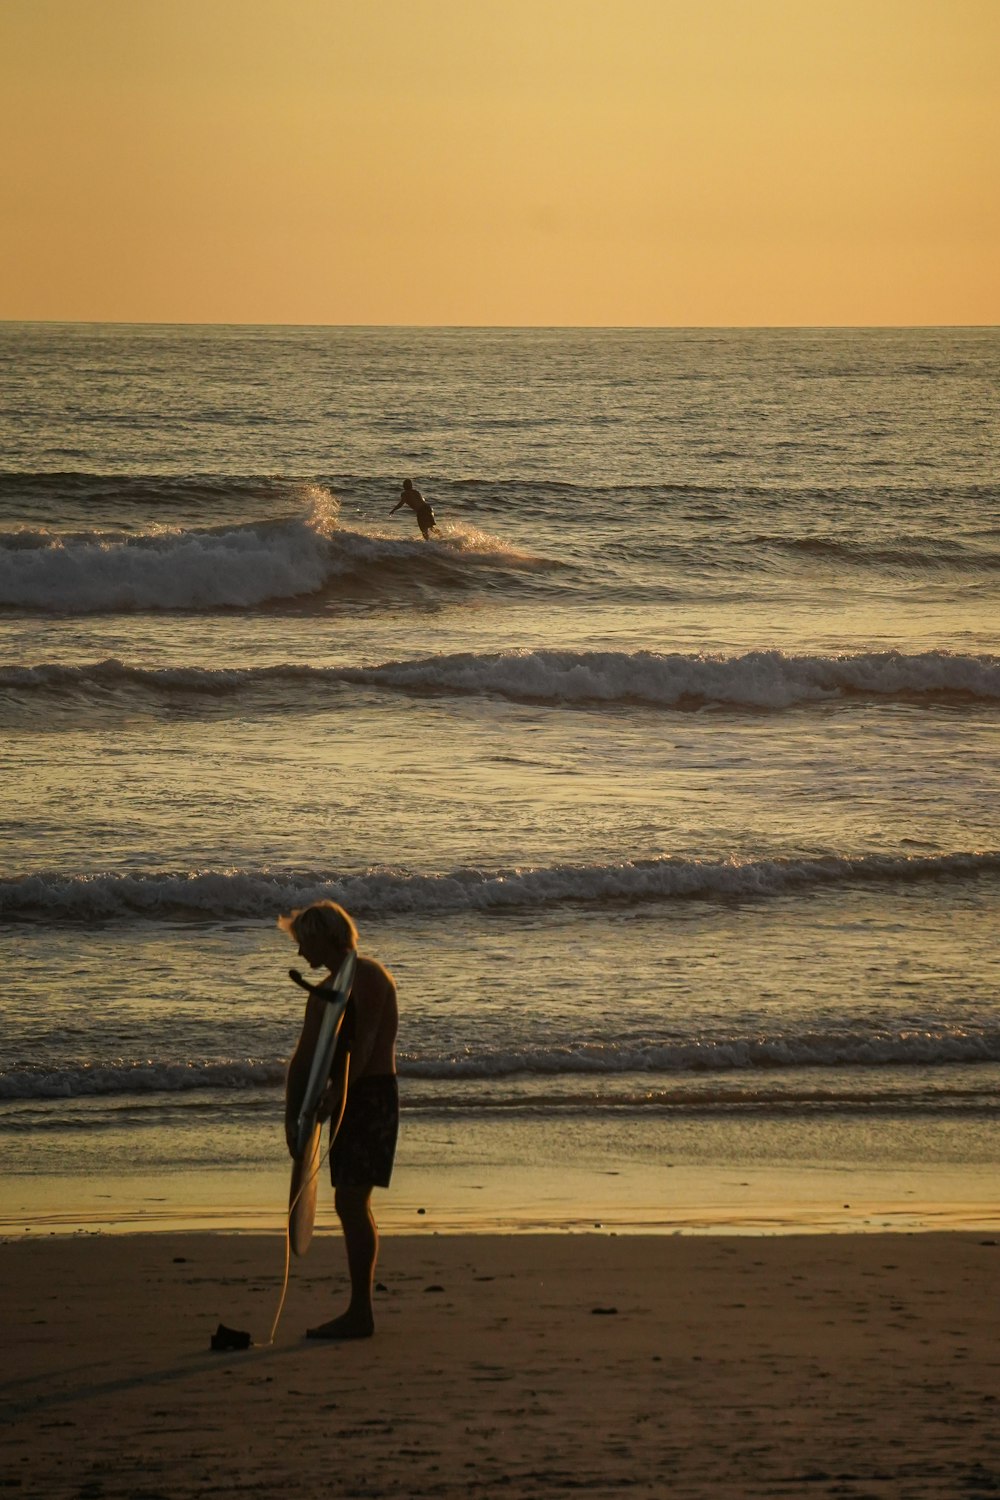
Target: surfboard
309 1130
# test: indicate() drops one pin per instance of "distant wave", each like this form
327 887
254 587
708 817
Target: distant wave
739 1053
139 1078
19 488
262 893
756 680
75 491
284 543
912 553
237 566
733 1054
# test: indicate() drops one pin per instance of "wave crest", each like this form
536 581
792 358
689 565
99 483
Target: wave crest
237 566
766 680
757 679
762 1055
256 894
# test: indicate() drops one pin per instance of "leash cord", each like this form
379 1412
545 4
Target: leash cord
288 1238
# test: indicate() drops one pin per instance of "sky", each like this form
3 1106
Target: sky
501 162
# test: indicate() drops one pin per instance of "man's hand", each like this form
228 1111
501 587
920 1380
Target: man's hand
329 1099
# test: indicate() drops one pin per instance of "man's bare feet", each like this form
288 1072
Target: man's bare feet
347 1326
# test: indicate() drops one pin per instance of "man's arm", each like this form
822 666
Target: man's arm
298 1068
333 1101
396 507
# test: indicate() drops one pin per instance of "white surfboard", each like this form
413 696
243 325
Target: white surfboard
309 1130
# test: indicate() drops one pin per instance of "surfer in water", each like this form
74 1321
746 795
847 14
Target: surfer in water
419 506
362 1097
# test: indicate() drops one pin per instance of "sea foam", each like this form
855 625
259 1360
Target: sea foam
766 680
733 1054
757 679
260 893
241 566
168 568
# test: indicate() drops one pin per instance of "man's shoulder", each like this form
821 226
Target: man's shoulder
372 975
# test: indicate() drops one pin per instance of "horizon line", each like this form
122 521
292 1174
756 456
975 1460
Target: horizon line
497 327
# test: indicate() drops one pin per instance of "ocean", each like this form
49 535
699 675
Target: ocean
663 778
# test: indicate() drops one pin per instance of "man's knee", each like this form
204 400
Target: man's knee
352 1203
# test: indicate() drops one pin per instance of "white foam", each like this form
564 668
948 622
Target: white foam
733 1054
242 566
260 893
139 1078
170 568
767 680
459 536
756 679
737 1053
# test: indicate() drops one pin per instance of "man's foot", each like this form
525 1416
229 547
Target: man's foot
347 1326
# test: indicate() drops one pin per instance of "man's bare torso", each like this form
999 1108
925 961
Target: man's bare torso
376 1020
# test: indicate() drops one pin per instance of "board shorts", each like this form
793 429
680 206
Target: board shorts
425 519
365 1146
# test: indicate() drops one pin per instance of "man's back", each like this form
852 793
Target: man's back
376 1020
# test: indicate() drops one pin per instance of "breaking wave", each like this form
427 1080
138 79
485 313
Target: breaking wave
757 679
913 554
732 1055
210 894
310 557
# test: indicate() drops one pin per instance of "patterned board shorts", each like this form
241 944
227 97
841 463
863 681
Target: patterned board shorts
365 1147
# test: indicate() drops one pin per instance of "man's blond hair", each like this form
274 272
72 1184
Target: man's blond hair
323 919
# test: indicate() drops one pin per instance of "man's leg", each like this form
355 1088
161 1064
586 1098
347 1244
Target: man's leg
353 1205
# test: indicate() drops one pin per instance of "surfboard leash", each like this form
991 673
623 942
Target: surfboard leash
321 1163
226 1339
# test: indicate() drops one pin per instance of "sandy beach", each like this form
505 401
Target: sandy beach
851 1365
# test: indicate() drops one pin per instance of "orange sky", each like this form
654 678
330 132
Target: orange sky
606 162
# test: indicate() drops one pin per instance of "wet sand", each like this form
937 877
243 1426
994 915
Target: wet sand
527 1365
559 1194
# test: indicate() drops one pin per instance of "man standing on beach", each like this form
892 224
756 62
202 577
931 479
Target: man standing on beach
419 506
364 1145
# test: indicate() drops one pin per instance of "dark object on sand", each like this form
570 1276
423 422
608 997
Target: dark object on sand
229 1338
